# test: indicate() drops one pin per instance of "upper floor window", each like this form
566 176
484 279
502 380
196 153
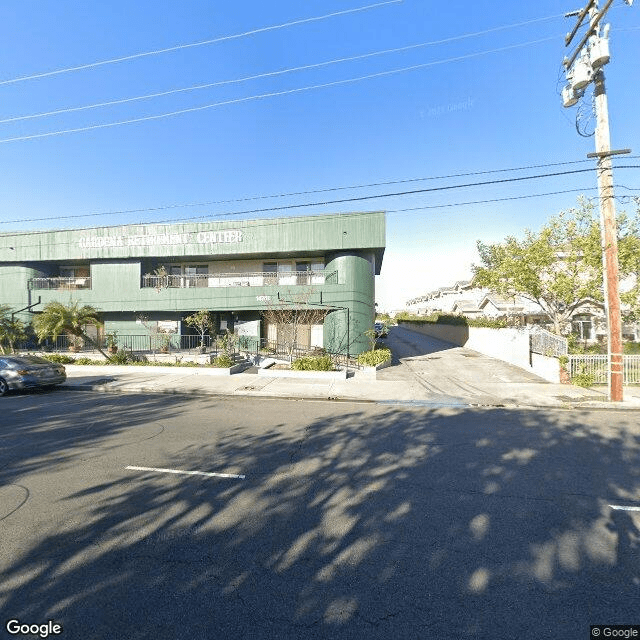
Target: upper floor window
74 271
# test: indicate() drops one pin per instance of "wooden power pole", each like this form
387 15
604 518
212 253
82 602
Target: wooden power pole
593 52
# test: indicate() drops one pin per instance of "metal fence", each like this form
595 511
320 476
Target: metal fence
176 344
60 283
249 279
547 343
157 342
597 366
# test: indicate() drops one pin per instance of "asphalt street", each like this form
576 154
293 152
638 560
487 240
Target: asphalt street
325 520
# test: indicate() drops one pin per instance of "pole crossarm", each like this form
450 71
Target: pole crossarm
568 62
606 154
582 15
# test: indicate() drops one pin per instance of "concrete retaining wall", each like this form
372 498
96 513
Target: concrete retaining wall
178 371
292 373
546 367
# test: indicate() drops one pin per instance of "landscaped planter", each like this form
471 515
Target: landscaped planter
370 372
134 369
292 373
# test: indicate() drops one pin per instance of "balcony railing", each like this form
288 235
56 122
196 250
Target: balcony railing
251 279
60 283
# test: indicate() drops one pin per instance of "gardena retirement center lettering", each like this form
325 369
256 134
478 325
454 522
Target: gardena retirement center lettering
162 239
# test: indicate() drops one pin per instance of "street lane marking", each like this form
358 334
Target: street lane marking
618 507
188 473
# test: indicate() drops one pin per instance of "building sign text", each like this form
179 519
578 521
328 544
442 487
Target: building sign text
224 236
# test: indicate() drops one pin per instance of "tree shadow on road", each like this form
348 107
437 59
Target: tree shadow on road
378 523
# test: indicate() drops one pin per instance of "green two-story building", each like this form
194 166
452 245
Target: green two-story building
149 278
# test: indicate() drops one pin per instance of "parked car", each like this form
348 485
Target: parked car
23 372
380 329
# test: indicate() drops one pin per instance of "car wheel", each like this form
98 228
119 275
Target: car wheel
4 387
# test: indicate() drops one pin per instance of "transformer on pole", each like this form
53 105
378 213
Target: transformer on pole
583 67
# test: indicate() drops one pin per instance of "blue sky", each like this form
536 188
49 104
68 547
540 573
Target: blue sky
490 110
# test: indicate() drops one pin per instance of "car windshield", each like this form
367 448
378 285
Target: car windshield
25 360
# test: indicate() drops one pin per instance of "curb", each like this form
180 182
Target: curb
208 394
398 403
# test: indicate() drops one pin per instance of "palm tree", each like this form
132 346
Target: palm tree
10 330
57 318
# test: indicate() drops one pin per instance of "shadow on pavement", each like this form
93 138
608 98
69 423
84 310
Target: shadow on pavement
393 523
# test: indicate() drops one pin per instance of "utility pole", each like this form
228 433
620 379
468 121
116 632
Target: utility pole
593 52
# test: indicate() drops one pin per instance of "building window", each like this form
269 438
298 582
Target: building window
582 326
74 272
303 272
196 275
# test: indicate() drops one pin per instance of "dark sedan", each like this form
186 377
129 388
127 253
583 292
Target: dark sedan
23 372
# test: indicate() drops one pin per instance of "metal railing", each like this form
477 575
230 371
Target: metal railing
547 343
597 366
285 351
175 344
60 283
249 279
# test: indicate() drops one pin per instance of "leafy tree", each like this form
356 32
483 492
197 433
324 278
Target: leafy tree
560 266
57 318
290 314
202 321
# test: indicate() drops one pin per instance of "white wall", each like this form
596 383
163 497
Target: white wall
509 345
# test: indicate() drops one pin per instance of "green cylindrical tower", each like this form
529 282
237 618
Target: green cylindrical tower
355 313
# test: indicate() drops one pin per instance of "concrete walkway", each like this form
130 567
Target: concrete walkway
198 381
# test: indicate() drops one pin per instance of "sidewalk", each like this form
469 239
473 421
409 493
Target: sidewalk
201 382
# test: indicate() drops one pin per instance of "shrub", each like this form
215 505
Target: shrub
313 363
223 361
583 380
60 358
84 360
457 320
121 357
631 347
373 358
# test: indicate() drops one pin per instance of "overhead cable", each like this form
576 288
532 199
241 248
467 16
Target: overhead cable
339 201
268 74
196 44
300 193
272 94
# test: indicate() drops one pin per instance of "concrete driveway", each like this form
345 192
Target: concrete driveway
453 372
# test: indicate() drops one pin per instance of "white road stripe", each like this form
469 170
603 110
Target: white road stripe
617 507
188 473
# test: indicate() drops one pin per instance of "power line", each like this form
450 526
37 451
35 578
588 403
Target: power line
270 74
405 193
272 94
330 202
301 193
492 200
196 44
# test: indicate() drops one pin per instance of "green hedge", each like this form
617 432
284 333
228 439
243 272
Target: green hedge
313 363
373 358
457 320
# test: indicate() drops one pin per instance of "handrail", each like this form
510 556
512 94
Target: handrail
241 279
81 282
